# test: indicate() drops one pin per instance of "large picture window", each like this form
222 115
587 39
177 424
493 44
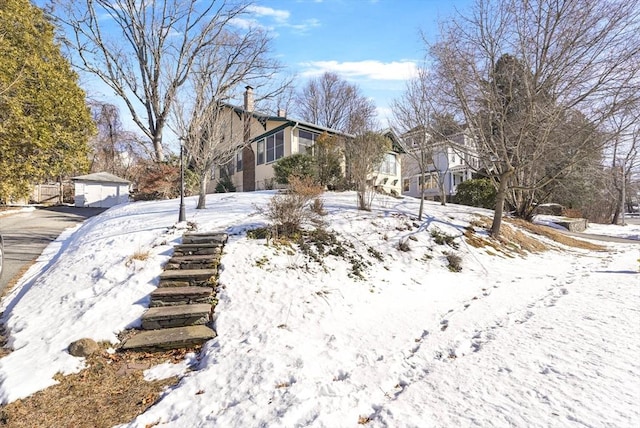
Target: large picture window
306 141
274 146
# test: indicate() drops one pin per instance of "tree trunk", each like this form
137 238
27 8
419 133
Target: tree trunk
202 194
157 147
421 209
500 197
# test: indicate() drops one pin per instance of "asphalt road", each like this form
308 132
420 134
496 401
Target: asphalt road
26 234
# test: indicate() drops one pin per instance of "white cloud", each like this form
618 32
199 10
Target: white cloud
280 19
245 23
279 15
369 69
305 26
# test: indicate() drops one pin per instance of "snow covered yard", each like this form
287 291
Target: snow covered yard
378 336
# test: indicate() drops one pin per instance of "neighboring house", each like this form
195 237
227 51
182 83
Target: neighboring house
271 138
100 190
389 176
452 161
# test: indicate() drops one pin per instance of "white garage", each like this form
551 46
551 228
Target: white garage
100 190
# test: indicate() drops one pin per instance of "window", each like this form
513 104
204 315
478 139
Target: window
239 161
275 146
431 182
388 164
260 156
405 185
306 141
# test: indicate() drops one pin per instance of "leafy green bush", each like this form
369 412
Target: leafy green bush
297 165
476 193
225 185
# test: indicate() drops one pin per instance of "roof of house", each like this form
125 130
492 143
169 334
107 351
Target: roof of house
101 177
263 118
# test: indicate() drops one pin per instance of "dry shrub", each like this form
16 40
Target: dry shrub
289 211
454 261
317 206
571 213
158 180
141 254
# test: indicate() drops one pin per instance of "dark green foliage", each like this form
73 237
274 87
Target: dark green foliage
298 165
45 124
442 238
259 233
225 185
328 161
478 192
320 243
375 254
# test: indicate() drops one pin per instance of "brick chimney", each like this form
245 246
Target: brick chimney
282 112
248 99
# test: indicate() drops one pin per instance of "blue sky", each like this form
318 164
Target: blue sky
373 43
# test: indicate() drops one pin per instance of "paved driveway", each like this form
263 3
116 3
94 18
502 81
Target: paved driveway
26 234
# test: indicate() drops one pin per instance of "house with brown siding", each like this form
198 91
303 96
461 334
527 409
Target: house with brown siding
270 138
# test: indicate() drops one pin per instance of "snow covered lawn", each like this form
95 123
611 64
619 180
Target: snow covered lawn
548 339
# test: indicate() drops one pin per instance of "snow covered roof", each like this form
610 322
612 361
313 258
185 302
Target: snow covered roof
101 177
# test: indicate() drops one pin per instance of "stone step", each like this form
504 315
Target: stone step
187 277
176 316
168 296
169 338
197 249
205 261
205 238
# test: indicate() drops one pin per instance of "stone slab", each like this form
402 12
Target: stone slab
188 273
198 238
176 316
205 261
193 258
196 249
166 296
187 278
170 338
178 311
572 224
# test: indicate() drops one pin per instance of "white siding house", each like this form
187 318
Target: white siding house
100 190
452 161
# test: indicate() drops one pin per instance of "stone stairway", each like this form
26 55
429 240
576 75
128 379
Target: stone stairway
181 307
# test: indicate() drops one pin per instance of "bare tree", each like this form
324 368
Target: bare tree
625 159
536 80
202 117
144 49
413 116
332 102
364 154
114 149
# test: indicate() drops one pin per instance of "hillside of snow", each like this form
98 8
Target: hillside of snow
378 332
